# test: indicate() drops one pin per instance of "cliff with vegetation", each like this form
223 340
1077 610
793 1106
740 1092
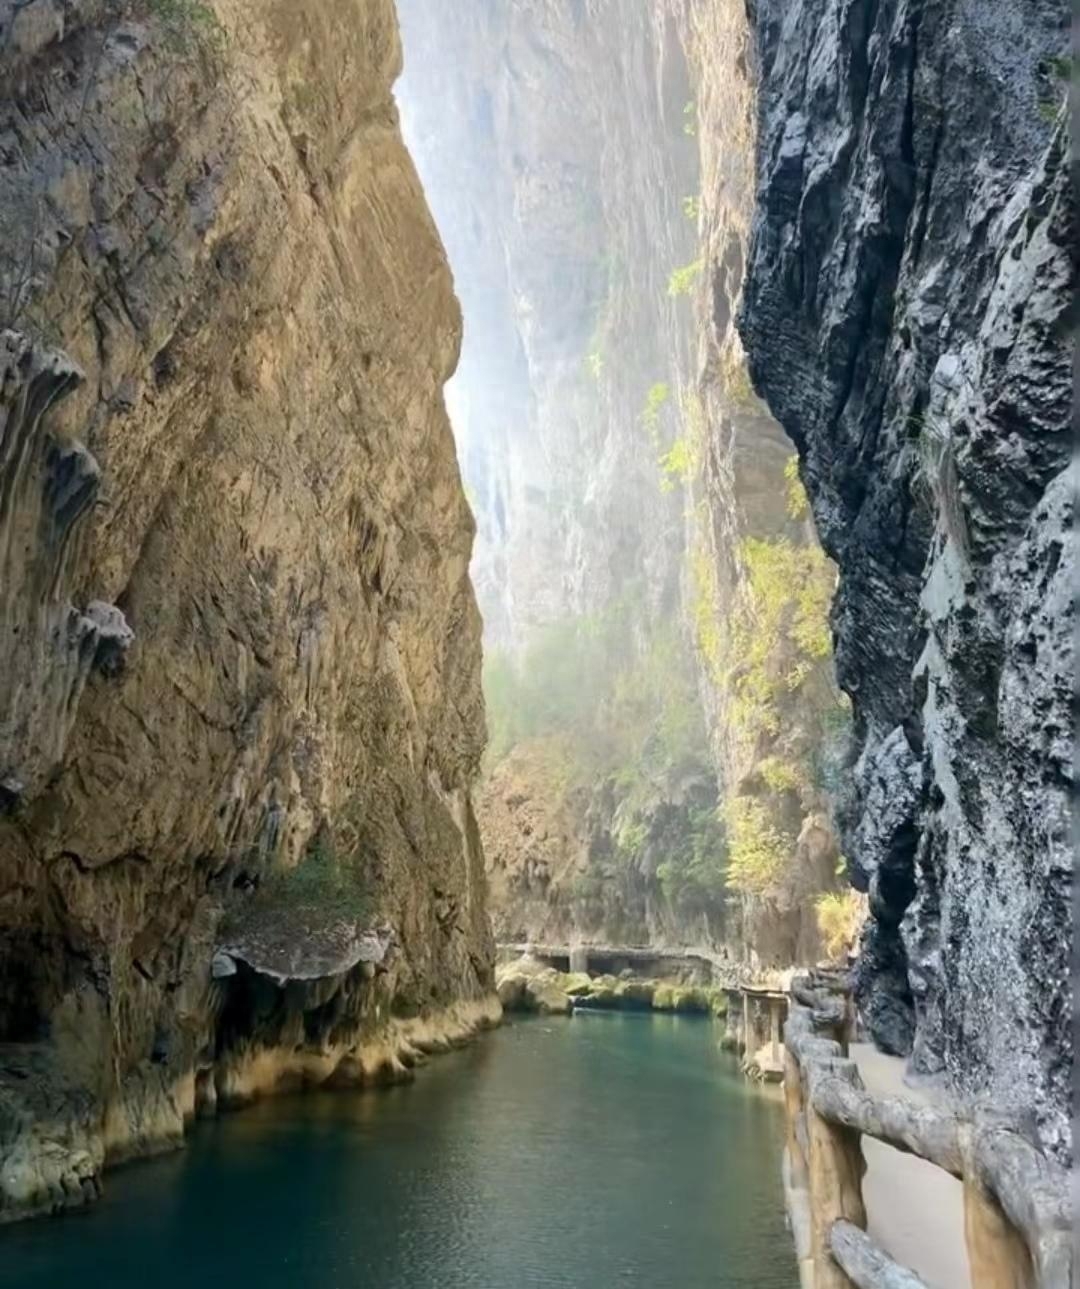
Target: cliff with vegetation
240 708
552 142
659 660
759 586
906 315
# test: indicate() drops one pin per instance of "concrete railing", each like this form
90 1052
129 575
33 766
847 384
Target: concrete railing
724 971
1016 1207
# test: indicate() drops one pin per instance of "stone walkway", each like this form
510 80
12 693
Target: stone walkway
915 1211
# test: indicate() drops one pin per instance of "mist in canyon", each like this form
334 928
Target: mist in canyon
664 728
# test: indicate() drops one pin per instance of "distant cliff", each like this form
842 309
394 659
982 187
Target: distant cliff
906 315
240 711
551 139
655 722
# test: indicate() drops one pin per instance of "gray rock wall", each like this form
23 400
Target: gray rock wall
906 315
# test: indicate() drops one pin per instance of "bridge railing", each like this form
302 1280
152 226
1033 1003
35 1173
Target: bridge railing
1016 1206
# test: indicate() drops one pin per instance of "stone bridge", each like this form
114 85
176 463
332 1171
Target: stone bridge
757 1000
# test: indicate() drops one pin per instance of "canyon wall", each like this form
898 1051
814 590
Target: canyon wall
240 708
592 174
907 318
759 585
551 140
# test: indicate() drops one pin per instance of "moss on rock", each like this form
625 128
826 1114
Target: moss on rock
664 998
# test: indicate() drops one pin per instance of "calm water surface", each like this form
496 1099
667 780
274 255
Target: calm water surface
595 1152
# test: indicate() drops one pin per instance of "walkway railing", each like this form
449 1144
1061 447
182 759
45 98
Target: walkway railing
1016 1207
726 972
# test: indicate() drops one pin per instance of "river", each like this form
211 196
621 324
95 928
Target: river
594 1152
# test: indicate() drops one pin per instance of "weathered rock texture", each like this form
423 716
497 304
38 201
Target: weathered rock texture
906 317
783 757
238 630
550 135
556 872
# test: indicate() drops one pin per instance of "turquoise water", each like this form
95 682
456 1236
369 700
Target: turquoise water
599 1151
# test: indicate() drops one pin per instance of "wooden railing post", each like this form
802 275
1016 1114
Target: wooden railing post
774 1030
836 1168
997 1253
796 1171
1016 1198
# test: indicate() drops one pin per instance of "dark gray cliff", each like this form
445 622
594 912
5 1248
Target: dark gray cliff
906 317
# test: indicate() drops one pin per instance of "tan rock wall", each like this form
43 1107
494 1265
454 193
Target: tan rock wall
221 226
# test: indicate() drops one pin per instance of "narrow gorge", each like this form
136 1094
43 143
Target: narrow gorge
643 538
523 507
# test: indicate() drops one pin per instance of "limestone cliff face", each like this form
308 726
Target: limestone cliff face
559 870
905 314
551 140
778 726
240 711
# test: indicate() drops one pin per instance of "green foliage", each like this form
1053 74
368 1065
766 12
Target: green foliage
798 504
540 695
782 625
691 207
190 26
681 281
324 882
594 364
694 421
655 400
780 775
735 383
759 850
690 119
678 465
840 915
777 631
600 704
693 873
631 839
